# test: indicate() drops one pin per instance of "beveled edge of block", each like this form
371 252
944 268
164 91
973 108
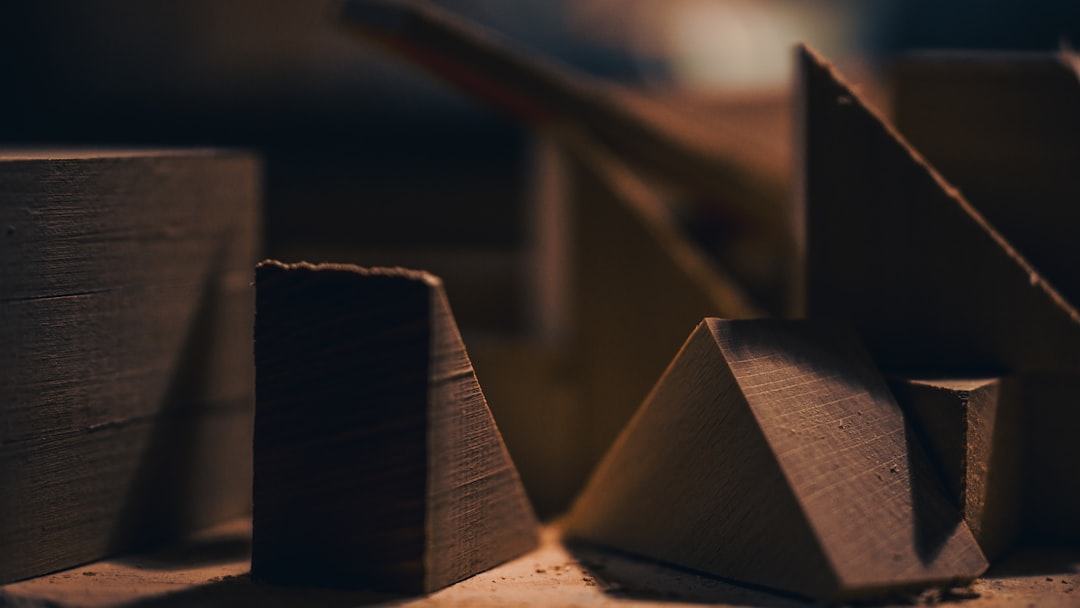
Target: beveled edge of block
373 271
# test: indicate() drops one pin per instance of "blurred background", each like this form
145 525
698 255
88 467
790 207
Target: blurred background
368 160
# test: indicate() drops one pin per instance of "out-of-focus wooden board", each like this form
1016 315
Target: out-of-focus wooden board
211 570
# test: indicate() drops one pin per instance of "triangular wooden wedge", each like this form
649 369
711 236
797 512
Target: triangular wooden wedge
893 248
377 461
772 453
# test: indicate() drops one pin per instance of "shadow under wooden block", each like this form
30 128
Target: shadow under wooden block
126 368
771 452
377 461
890 246
972 429
1002 128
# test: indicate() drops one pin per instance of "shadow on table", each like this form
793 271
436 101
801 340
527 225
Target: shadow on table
240 591
625 576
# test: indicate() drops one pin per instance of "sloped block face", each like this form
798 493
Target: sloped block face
772 453
377 462
892 248
478 515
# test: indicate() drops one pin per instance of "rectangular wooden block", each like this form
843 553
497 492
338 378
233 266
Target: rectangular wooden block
126 366
972 429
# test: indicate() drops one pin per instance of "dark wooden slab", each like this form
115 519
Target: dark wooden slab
973 430
377 461
1002 128
892 247
125 307
772 453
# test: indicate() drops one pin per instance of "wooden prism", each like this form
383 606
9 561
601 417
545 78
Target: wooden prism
377 461
772 453
893 248
972 429
126 371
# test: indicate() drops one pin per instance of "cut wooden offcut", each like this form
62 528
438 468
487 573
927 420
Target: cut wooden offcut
893 248
126 366
772 453
377 461
972 428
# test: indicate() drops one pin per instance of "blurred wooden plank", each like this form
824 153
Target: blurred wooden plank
722 161
973 429
771 452
638 286
892 247
377 462
126 366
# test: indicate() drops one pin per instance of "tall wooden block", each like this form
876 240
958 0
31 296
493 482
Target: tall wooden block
892 247
377 461
771 452
972 429
125 349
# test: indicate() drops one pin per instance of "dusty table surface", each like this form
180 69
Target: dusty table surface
212 568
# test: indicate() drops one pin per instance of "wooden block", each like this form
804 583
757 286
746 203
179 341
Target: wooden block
892 247
771 452
972 429
126 362
377 461
1002 128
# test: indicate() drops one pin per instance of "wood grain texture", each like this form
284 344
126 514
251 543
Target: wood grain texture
772 453
896 250
377 461
126 364
973 430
